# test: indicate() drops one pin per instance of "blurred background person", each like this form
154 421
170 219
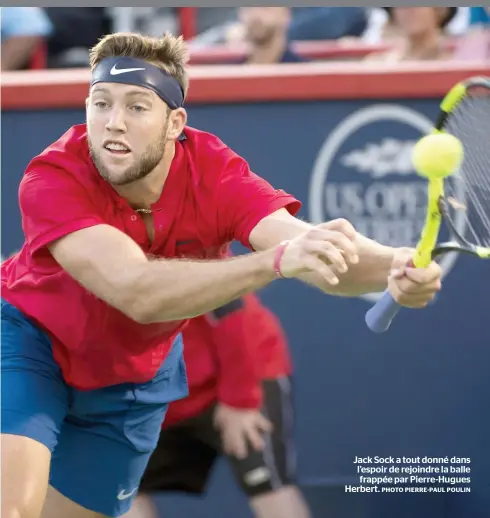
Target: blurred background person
476 44
417 33
304 24
262 30
327 23
23 30
240 405
381 29
265 29
75 31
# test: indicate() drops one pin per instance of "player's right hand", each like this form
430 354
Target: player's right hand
326 249
413 287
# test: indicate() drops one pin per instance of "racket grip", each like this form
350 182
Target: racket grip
380 316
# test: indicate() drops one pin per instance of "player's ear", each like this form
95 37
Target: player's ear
176 123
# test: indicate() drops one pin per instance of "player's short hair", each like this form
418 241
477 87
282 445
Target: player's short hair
168 52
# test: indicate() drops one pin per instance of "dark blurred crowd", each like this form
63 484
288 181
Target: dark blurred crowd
59 37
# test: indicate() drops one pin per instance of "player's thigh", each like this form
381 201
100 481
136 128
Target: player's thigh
34 404
274 467
59 506
181 461
108 438
143 507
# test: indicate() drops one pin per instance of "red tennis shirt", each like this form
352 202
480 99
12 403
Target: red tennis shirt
209 199
228 352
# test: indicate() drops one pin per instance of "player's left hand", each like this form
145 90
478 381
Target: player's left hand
413 287
240 428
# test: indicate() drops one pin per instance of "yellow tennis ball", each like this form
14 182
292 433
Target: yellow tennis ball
437 155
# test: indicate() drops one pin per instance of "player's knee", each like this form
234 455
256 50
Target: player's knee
283 502
18 511
21 506
25 471
267 494
12 513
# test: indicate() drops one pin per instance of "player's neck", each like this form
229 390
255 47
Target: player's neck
271 52
425 46
143 193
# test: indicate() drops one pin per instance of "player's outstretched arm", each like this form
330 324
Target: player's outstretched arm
112 266
368 275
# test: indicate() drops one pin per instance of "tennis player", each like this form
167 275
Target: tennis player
127 220
240 405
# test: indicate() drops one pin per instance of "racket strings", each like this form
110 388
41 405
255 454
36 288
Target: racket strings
467 191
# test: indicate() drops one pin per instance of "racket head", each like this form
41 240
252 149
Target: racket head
465 204
462 199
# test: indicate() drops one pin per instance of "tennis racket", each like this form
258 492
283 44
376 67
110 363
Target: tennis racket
461 200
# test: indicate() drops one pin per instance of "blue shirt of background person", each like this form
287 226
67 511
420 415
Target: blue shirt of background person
327 23
23 30
24 21
479 16
290 56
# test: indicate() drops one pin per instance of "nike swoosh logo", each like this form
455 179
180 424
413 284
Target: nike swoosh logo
123 495
116 71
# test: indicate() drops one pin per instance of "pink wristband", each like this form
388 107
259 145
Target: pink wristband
277 258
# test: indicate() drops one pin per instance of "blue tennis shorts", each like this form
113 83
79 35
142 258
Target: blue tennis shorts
101 440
